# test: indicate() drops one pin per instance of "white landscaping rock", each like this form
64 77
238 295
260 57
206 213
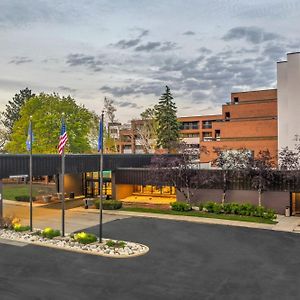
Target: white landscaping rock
130 249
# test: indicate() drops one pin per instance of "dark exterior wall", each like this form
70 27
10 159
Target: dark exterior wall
275 200
73 183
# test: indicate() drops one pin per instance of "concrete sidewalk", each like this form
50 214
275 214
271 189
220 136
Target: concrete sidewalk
286 224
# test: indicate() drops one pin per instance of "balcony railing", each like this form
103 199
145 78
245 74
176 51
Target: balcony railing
189 127
211 139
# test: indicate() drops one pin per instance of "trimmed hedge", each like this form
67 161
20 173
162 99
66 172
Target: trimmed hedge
109 204
180 206
24 198
238 209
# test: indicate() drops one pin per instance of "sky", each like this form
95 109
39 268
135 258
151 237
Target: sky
129 50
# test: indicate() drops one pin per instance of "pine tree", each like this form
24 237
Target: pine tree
168 128
12 109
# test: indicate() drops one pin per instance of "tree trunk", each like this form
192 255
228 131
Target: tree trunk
224 188
259 197
223 197
188 196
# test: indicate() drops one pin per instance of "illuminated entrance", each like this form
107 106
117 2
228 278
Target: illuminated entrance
154 190
295 203
92 184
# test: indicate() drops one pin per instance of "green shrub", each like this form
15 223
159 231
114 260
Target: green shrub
19 228
108 204
270 214
227 208
217 208
85 238
259 211
24 198
180 206
50 233
115 244
244 209
209 206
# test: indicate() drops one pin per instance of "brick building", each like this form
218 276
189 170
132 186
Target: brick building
248 121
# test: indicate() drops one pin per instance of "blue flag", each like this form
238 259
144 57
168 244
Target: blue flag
100 138
29 138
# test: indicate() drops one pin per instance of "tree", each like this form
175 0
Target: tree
46 113
3 138
146 132
110 118
262 172
289 163
178 171
289 160
167 125
12 110
231 162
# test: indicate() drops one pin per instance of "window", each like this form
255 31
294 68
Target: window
206 124
236 100
207 136
190 135
218 135
189 125
227 116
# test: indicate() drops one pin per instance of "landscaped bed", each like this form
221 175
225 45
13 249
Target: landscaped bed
79 242
233 211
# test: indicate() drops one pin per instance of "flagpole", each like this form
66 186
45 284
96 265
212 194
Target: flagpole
30 173
63 187
101 178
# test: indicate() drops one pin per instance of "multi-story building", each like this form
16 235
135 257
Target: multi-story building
248 121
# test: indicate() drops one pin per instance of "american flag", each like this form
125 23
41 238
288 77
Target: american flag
63 138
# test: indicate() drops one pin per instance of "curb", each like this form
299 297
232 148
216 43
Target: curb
200 220
78 250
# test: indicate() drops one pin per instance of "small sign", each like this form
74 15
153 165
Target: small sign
18 176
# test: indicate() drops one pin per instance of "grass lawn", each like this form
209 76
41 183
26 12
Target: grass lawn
10 191
199 214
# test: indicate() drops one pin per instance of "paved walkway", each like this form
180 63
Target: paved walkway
44 217
79 218
286 224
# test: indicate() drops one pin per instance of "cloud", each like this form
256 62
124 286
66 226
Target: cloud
252 34
15 13
136 88
166 46
157 46
143 32
18 60
125 44
128 104
204 50
189 32
91 62
148 47
67 89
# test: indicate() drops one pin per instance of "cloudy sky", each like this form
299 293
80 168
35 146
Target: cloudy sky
129 50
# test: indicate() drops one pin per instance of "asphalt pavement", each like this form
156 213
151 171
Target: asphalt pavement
186 261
